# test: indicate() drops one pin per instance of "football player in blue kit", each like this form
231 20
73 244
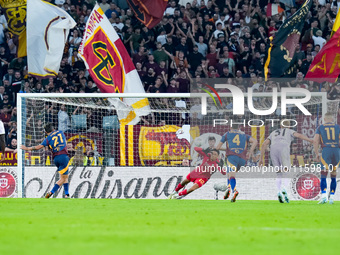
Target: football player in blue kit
236 150
328 135
56 142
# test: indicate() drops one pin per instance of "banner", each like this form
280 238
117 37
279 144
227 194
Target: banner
283 45
111 67
148 183
149 12
48 27
15 13
154 183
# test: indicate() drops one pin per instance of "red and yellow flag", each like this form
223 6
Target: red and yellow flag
111 68
326 64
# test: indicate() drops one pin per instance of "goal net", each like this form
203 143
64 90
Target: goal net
161 139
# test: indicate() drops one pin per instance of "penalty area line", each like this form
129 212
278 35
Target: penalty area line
289 229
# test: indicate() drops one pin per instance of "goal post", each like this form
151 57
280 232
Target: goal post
31 108
158 140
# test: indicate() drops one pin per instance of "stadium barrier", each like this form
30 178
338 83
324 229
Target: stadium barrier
147 183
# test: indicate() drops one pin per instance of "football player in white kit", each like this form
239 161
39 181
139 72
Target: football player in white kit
2 141
279 141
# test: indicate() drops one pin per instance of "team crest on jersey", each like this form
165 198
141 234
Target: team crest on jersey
306 186
8 183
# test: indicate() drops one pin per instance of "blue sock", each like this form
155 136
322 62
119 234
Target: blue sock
333 185
232 183
55 188
66 189
323 184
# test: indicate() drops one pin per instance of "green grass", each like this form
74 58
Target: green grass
89 226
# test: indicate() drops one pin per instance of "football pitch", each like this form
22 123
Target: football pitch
107 226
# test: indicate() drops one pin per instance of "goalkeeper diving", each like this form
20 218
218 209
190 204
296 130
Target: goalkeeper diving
200 175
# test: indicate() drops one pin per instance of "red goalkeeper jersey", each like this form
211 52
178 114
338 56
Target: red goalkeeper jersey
207 167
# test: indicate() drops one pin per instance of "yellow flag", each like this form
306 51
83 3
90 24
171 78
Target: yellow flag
15 13
336 24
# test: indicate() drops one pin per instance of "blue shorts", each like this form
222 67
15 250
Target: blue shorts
62 162
234 163
330 158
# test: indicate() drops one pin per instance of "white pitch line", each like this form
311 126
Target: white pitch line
289 229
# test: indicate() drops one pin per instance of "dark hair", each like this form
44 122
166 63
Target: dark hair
218 152
48 127
211 138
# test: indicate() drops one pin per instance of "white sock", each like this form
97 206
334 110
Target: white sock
331 197
278 182
286 182
324 195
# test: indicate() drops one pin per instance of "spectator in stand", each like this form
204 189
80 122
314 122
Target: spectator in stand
149 79
14 115
184 81
182 47
111 10
7 103
91 87
5 115
136 40
74 42
12 145
2 91
12 132
159 54
9 76
306 64
212 56
173 86
150 63
64 123
318 40
17 64
140 71
159 87
140 56
194 59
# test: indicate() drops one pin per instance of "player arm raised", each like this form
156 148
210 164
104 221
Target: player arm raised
316 143
33 148
303 137
200 151
263 150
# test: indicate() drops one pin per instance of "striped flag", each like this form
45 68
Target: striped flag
273 9
111 67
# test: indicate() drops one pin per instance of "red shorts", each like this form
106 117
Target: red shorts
200 181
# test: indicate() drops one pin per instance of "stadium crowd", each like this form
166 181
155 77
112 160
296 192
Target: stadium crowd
195 40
